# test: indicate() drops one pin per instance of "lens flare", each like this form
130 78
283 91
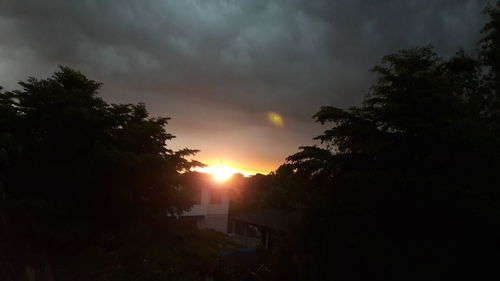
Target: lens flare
275 119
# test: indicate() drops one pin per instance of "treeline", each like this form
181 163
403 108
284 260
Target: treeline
87 187
405 186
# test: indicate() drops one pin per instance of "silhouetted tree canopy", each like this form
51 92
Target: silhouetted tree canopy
406 185
86 186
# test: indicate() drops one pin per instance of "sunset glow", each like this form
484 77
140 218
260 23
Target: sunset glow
221 173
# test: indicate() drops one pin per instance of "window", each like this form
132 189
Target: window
215 196
197 195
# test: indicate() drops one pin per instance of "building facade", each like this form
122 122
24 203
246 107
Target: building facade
211 204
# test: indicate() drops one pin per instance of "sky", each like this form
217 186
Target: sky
220 68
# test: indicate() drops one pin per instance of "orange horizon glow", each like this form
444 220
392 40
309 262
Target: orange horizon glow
259 147
222 173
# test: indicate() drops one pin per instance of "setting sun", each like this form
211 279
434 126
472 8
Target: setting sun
221 173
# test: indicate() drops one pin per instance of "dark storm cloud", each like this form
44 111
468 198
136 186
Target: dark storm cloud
219 65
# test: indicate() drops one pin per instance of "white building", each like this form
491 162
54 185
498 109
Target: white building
211 204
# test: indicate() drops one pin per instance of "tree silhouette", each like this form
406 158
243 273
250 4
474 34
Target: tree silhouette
82 179
406 184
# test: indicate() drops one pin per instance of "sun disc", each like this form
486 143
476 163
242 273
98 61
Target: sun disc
221 174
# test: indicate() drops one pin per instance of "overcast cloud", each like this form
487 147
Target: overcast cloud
216 67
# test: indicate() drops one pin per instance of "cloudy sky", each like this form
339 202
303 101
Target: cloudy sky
218 66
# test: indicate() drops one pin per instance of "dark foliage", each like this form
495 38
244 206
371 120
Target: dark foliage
406 186
246 193
86 187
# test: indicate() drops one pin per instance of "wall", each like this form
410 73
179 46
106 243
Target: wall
214 215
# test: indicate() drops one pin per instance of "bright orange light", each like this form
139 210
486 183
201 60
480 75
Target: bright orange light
221 173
